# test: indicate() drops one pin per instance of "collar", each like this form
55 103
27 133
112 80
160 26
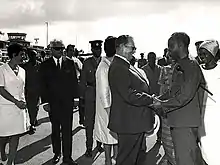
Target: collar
55 60
123 58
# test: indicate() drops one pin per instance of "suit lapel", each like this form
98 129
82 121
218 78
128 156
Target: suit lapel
132 68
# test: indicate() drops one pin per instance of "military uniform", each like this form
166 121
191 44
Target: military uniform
184 112
88 93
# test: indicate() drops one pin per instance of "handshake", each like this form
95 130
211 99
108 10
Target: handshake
157 106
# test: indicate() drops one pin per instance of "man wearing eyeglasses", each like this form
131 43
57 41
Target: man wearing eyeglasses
130 116
59 88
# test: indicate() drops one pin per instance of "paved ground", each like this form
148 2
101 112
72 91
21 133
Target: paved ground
37 150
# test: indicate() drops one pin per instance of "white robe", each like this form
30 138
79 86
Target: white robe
103 100
12 119
210 142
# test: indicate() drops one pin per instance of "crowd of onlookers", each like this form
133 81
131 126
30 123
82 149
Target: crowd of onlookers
119 103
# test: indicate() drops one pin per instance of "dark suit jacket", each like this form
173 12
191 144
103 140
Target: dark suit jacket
129 109
58 86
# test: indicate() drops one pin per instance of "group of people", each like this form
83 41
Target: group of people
120 103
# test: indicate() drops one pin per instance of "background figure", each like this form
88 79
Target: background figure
183 105
197 44
130 116
32 87
165 81
133 61
211 69
59 88
163 61
142 61
88 93
103 103
14 118
152 71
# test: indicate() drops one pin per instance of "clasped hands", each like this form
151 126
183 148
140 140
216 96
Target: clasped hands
157 106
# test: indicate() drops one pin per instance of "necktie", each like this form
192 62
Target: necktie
58 64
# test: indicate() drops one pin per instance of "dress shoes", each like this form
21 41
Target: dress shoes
88 153
56 159
100 149
69 161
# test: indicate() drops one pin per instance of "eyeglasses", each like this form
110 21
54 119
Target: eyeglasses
132 47
58 48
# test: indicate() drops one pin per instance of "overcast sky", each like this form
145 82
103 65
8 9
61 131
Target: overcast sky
150 22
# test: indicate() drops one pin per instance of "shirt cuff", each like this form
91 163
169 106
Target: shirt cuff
44 104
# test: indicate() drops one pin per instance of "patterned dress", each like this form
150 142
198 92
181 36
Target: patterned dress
165 81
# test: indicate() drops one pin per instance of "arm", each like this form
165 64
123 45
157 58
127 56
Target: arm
4 93
43 84
187 89
75 82
121 80
83 80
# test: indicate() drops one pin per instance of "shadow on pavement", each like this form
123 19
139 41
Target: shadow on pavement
83 160
29 151
151 157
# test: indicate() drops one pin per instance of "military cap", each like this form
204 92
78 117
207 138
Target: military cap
96 44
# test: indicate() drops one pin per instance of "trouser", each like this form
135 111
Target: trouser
62 124
81 111
187 151
129 148
89 124
32 106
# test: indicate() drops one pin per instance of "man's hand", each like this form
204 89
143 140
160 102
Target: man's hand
21 104
76 102
46 107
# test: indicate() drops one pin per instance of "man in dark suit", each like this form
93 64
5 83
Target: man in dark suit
59 88
130 116
182 104
88 93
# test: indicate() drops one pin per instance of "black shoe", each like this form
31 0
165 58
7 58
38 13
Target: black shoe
32 130
88 153
100 149
36 123
3 155
56 159
69 161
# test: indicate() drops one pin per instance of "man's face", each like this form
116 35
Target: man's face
96 52
174 49
151 60
70 51
129 49
57 50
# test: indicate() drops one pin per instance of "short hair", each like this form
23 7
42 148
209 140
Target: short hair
151 54
69 46
54 42
109 46
123 39
181 37
14 48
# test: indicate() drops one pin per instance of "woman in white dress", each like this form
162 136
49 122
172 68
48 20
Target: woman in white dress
13 116
211 70
103 103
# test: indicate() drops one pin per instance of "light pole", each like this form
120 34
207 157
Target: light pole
47 34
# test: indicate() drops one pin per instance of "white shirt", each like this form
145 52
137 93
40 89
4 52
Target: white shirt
56 60
123 58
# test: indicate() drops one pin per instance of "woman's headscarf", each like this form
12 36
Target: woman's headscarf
210 45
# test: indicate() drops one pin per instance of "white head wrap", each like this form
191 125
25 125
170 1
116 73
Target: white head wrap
210 45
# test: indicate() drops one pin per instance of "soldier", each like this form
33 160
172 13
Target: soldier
88 84
142 61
